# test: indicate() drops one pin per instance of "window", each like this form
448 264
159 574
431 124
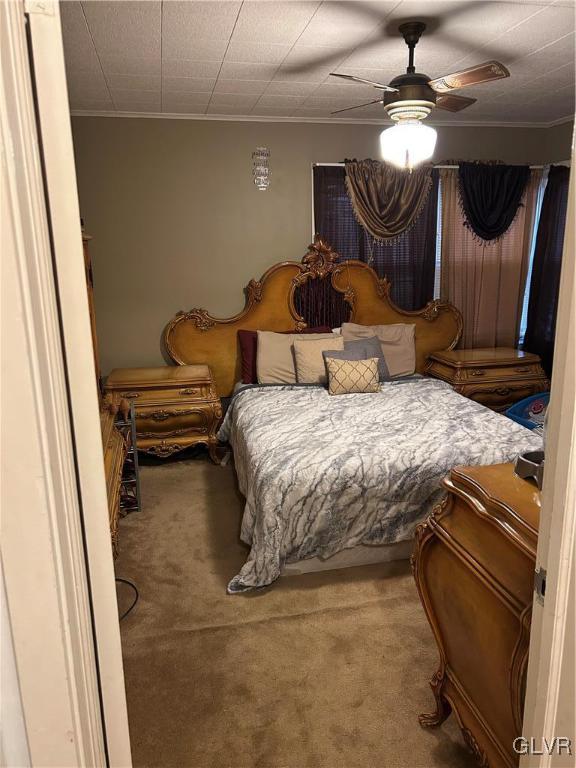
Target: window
438 260
411 265
409 262
524 317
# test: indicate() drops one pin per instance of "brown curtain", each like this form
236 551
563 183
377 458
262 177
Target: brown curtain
386 200
486 281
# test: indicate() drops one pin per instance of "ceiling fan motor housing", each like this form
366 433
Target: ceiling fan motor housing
415 98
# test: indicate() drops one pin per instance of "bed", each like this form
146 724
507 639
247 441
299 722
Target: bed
324 476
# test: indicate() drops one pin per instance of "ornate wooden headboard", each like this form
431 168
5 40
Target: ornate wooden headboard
349 290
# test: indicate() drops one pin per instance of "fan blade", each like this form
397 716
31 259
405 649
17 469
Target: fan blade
376 101
453 103
367 82
378 16
481 73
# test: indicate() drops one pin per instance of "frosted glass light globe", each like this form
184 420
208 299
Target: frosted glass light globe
408 143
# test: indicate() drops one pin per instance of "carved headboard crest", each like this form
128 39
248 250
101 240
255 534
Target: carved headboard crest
318 262
350 288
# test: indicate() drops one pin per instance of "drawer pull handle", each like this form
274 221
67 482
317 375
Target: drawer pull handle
130 395
477 372
162 415
521 370
190 391
502 390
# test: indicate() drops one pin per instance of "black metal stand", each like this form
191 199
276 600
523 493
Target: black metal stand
130 499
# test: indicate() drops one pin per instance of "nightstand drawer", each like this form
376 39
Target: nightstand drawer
195 392
499 397
169 420
500 373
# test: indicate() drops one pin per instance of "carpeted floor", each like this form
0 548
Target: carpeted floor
325 670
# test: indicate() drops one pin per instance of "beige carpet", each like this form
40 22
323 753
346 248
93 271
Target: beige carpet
326 669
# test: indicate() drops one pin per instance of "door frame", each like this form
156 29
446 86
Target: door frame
552 662
58 555
56 548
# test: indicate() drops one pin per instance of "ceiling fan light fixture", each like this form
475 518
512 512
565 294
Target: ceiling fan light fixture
409 109
407 144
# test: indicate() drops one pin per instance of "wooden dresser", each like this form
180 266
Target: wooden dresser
114 443
176 406
497 378
115 447
474 564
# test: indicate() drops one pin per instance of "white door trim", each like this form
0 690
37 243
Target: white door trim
552 636
56 551
47 596
60 177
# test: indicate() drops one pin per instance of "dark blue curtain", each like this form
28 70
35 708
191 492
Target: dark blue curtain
545 282
408 262
491 194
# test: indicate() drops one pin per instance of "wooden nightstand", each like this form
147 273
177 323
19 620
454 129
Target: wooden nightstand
176 406
497 378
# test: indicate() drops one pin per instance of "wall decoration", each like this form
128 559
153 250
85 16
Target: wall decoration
260 168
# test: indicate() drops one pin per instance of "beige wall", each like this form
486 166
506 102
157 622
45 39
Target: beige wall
177 222
558 142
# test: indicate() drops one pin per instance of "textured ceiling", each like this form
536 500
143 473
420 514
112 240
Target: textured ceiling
273 59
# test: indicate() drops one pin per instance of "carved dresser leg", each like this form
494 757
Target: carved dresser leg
443 708
424 539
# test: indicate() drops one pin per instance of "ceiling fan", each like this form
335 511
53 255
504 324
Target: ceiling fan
413 96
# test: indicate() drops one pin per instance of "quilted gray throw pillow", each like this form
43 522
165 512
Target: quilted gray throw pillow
362 349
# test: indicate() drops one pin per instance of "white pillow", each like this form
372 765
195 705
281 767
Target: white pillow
275 355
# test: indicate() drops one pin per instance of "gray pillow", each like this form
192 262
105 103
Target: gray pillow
362 349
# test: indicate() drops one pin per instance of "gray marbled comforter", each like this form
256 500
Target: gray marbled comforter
322 473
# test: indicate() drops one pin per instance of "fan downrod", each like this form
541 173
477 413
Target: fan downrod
411 31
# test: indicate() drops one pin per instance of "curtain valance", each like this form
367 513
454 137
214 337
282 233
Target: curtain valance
386 200
490 195
408 261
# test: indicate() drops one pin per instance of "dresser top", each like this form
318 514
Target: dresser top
513 501
163 376
481 356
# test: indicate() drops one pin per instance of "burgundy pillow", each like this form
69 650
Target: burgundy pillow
248 341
